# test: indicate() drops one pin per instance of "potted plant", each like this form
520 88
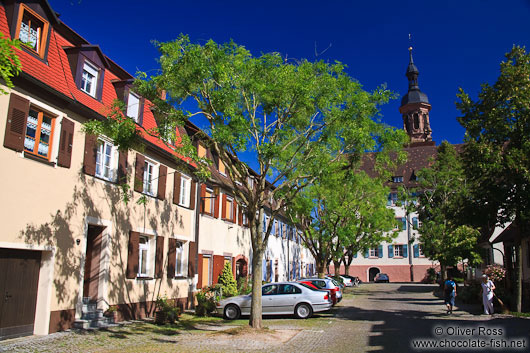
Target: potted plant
166 311
111 313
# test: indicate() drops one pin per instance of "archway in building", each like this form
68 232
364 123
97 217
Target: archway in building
241 269
372 272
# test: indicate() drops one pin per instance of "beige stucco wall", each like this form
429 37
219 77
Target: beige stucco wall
50 206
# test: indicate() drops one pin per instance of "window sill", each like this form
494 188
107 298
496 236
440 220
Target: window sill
106 180
398 257
142 278
180 277
38 159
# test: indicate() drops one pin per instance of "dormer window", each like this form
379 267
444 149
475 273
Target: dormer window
397 179
89 79
32 30
133 106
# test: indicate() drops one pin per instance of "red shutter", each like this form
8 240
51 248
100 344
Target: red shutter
17 116
89 162
122 168
192 195
139 173
133 257
199 281
192 259
159 257
65 147
162 175
240 215
223 211
203 195
171 258
176 188
216 206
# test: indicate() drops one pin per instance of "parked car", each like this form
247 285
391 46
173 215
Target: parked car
284 298
347 281
381 277
332 293
355 281
328 284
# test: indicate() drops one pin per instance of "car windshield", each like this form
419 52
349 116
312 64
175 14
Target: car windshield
335 282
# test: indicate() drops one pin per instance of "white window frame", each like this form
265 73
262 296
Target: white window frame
113 163
212 202
420 251
230 210
179 265
133 112
373 252
398 250
94 72
154 178
141 257
185 190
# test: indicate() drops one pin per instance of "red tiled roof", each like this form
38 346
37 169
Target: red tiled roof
57 74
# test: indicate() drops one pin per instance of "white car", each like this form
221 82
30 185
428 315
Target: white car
285 298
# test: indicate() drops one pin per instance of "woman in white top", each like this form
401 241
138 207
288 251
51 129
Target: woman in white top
487 295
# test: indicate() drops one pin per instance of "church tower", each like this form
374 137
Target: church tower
415 109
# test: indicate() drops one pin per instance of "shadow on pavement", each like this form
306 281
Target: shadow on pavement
395 330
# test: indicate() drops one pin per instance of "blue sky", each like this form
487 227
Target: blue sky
456 43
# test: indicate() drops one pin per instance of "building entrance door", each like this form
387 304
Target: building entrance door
93 256
372 273
19 280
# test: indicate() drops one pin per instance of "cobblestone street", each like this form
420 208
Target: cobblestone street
376 318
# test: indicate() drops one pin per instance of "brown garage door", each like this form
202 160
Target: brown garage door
19 278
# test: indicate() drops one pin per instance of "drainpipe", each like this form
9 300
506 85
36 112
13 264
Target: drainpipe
409 247
194 281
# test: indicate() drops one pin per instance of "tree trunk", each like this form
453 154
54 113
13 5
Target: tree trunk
443 273
518 288
320 268
346 269
255 320
336 264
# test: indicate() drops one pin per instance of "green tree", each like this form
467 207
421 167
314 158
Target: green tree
342 213
294 117
10 65
444 188
497 152
227 281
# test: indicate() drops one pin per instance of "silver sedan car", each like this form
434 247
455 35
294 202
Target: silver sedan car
285 298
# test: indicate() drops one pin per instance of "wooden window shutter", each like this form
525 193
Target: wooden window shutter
133 257
17 116
65 147
122 167
139 173
223 211
192 259
199 272
192 195
240 215
171 257
162 176
89 161
203 194
216 206
176 188
159 257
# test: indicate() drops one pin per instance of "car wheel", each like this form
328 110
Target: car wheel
231 312
303 311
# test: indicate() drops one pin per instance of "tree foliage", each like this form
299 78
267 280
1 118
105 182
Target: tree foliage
227 281
444 189
497 152
10 65
341 214
293 117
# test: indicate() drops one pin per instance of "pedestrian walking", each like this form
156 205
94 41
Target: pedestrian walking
487 294
449 294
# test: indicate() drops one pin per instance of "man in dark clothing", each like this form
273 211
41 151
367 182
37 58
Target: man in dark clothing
449 294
